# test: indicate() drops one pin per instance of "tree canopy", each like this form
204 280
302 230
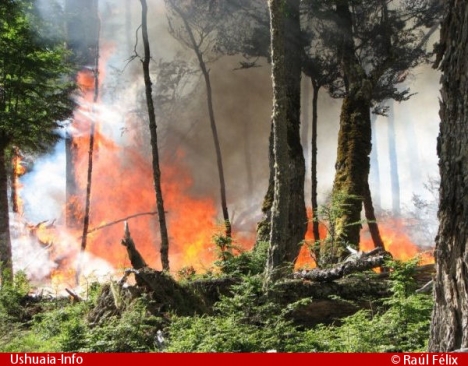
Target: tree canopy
34 92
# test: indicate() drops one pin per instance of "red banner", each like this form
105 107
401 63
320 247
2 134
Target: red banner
343 359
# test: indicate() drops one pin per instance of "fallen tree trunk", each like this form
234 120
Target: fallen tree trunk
357 262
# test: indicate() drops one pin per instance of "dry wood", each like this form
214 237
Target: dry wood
119 221
360 261
74 295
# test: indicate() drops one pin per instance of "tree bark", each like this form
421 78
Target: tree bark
449 327
362 262
154 139
371 219
354 138
392 151
313 159
374 164
6 263
288 215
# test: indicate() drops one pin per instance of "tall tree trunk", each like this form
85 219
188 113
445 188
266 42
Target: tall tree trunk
313 159
305 115
449 327
6 262
354 139
374 164
288 214
394 176
154 139
248 160
279 234
214 129
412 148
89 175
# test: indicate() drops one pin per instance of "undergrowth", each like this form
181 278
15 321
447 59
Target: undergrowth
248 320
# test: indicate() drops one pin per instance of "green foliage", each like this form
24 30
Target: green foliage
134 331
235 262
401 325
63 329
12 313
327 251
251 321
247 321
35 93
11 295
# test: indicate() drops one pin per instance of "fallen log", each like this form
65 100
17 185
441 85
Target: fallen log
357 262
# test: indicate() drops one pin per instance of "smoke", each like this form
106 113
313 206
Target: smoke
242 106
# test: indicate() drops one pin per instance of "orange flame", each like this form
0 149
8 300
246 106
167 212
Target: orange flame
394 237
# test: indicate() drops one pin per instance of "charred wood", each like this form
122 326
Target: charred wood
134 255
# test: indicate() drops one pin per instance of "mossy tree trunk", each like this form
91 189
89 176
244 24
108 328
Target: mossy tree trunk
288 214
449 328
354 138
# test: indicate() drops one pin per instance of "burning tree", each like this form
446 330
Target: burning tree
450 315
34 97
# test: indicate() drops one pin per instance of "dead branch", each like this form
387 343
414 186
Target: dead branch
74 295
119 221
358 262
134 255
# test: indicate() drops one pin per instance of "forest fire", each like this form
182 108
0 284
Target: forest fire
122 189
394 236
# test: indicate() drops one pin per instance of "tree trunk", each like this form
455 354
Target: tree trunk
449 328
214 129
248 159
313 159
371 219
288 214
305 115
293 61
154 140
89 175
392 151
6 263
374 164
279 235
354 139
